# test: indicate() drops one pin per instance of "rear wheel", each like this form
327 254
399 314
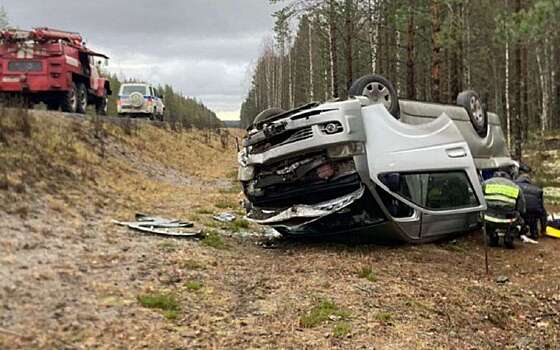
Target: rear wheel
475 108
379 90
82 99
69 101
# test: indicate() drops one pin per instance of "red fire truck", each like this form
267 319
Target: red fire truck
54 67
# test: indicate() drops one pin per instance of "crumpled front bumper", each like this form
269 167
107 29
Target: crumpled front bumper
301 215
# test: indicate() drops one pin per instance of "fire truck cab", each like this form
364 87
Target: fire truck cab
54 67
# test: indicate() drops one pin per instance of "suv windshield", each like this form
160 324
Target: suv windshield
130 89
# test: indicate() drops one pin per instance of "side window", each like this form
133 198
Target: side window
435 191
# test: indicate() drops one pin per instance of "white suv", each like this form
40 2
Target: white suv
140 100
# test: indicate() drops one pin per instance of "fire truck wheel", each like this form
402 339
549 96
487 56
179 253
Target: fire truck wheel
82 99
101 106
69 102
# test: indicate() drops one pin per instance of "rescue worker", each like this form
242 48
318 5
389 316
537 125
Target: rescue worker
506 205
534 205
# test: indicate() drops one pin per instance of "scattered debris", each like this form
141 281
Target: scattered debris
160 226
267 244
502 279
224 217
526 239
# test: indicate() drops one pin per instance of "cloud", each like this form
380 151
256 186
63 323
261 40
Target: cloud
201 47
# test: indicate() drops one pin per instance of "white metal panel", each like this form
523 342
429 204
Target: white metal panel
393 146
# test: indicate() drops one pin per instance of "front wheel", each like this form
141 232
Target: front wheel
82 99
379 90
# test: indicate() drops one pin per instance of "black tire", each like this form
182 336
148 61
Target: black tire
101 106
69 101
82 99
266 114
379 90
475 109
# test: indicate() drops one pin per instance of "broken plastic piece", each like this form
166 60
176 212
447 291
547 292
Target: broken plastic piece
160 226
526 239
224 217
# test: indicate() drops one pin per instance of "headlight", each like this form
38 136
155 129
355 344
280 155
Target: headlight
346 150
246 173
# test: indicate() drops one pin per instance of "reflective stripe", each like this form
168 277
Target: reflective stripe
500 198
497 220
505 190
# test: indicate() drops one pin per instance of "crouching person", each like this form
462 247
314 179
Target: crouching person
534 201
506 206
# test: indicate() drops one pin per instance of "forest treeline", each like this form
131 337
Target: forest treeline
507 50
179 110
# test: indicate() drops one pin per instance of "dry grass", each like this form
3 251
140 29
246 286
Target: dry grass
135 167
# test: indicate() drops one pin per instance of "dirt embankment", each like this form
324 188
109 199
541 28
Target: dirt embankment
69 279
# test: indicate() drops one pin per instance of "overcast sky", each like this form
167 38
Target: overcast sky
205 48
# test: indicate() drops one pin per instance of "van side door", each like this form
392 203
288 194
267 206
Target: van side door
427 168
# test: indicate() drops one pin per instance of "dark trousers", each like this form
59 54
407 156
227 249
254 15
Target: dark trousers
531 220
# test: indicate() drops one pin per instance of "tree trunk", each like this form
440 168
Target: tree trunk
544 88
333 49
456 71
556 81
349 27
507 88
436 50
518 70
373 16
310 38
290 81
410 49
525 115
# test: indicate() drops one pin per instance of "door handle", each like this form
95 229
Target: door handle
457 152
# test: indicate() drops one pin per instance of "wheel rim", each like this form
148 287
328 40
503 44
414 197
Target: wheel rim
83 101
378 93
73 99
476 110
